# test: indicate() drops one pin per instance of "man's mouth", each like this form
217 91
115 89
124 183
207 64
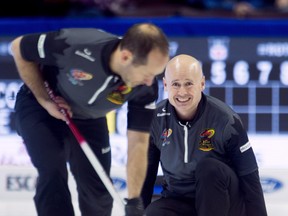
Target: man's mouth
182 100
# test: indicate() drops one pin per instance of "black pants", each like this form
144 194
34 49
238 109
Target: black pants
50 145
217 194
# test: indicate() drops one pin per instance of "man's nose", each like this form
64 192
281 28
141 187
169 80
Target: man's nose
182 90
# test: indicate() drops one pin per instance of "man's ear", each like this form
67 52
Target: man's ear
203 83
164 83
126 57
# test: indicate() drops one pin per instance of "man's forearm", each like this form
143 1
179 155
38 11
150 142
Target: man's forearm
136 164
29 73
136 171
253 195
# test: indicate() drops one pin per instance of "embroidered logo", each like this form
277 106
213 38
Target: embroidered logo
86 53
165 134
117 95
164 113
205 142
76 76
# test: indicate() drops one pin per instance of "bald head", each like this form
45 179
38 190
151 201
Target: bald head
184 64
184 83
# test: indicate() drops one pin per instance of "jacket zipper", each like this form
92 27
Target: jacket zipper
185 142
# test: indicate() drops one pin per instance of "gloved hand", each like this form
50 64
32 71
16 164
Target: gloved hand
134 207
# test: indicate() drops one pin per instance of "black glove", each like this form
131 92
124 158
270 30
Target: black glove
134 207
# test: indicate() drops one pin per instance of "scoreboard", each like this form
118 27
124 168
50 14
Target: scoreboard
248 73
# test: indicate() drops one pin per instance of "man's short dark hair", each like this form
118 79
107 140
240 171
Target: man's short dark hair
142 38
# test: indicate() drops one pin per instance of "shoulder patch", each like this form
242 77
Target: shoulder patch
245 147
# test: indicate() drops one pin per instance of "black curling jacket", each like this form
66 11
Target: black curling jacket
75 62
216 131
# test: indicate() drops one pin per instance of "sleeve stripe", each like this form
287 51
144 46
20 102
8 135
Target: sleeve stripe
151 106
40 45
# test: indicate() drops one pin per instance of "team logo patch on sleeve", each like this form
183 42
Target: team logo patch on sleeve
205 142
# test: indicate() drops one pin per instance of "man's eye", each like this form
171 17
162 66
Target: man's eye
175 84
188 84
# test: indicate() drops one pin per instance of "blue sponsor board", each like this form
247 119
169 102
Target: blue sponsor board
270 185
119 183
